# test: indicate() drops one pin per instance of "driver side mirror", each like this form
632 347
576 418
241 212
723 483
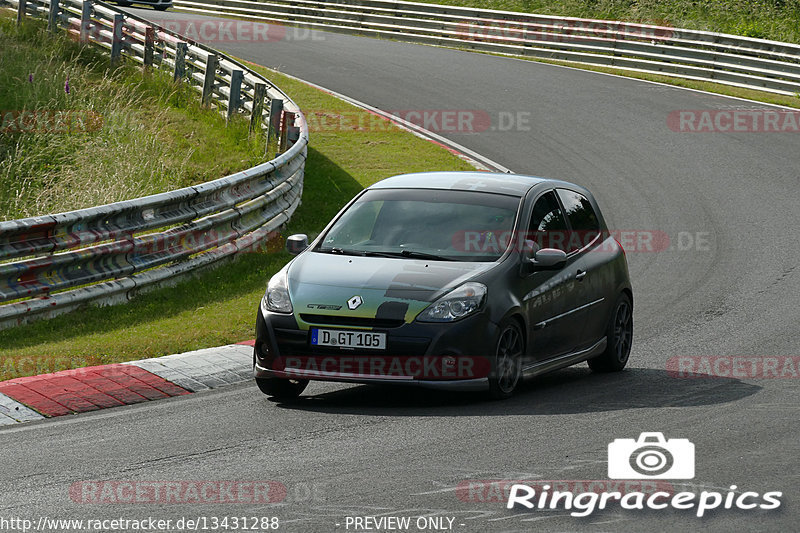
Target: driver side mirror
297 243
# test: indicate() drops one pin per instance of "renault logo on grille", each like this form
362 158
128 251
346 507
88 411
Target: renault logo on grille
354 302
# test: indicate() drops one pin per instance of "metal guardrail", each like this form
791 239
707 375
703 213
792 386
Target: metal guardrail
54 263
699 55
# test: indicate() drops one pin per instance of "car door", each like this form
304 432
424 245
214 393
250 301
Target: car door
549 297
589 268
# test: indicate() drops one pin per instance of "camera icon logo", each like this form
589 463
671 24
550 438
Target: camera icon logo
651 457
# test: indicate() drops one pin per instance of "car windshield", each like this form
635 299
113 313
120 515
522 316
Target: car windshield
425 224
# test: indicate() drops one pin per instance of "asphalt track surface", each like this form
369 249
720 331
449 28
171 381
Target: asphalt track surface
357 450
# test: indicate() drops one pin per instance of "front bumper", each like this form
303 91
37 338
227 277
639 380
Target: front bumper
476 384
451 356
159 3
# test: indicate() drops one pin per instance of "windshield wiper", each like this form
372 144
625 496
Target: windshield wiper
341 251
424 255
412 254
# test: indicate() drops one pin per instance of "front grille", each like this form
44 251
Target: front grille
337 320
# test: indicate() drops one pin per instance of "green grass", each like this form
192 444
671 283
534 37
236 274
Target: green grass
777 20
219 306
146 134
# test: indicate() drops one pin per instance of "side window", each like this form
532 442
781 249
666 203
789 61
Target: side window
582 218
548 228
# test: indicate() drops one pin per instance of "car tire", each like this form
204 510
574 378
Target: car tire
619 335
506 372
282 389
161 8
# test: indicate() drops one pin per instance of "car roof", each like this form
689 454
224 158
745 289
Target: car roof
493 182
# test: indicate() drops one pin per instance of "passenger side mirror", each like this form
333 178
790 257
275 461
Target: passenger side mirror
546 259
297 243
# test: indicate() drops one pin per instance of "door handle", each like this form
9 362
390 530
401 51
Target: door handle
580 275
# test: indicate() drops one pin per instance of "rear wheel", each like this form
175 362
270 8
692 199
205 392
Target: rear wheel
282 389
161 7
507 364
619 335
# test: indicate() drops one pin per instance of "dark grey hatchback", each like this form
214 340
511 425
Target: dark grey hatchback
462 280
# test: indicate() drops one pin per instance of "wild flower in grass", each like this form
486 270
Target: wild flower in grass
66 85
30 77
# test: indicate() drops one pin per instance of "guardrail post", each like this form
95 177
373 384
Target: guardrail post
149 46
288 122
292 131
234 98
275 112
52 18
258 106
208 82
180 60
22 8
86 20
116 39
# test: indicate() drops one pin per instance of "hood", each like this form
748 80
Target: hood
388 288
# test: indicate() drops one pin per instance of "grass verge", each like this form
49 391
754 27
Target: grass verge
349 150
67 119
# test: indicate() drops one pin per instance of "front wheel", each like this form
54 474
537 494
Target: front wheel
619 336
282 389
507 365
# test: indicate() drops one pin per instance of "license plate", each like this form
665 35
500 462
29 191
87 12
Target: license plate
348 339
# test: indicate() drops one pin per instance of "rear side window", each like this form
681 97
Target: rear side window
548 228
582 218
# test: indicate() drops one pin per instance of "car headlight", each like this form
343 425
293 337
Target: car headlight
276 299
456 304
